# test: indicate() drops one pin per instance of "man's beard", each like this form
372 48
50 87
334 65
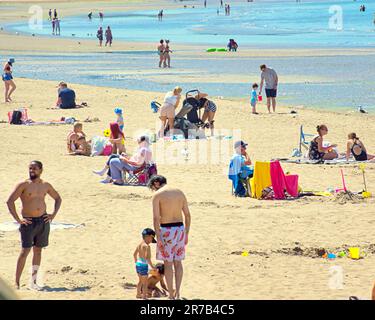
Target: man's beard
33 176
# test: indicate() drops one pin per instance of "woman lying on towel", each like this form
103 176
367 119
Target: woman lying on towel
357 148
317 151
117 163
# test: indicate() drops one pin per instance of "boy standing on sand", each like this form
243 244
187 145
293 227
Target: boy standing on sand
35 222
254 98
142 259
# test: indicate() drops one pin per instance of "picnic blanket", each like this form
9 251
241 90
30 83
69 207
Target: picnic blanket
337 161
13 226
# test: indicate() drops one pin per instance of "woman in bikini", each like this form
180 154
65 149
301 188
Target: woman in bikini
10 86
357 148
209 110
117 138
317 151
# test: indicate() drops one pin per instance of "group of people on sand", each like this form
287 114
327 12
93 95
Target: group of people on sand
164 54
108 36
320 151
170 104
171 221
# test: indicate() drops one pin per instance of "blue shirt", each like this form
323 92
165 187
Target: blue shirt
254 97
68 98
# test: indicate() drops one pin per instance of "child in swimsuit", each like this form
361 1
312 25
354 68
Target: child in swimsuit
156 276
120 119
357 148
142 259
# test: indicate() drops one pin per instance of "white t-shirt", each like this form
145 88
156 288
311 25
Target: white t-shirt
170 98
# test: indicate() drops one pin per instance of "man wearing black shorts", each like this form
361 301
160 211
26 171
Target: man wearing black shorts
35 222
269 76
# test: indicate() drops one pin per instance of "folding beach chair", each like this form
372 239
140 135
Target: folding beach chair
240 184
141 176
302 140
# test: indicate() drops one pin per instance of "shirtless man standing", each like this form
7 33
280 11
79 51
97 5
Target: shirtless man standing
35 222
172 236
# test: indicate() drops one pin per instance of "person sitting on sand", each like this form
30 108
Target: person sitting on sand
357 148
167 111
142 259
117 138
317 151
142 157
209 110
83 147
10 86
66 97
73 136
155 276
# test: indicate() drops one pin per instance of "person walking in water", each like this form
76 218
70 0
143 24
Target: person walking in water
99 35
53 25
161 52
101 16
57 26
35 221
90 15
108 36
172 221
49 14
55 13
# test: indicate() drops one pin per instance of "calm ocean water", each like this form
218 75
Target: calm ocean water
348 80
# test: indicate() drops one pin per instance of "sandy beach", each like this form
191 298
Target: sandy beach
95 261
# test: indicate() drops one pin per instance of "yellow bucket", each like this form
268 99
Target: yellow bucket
354 253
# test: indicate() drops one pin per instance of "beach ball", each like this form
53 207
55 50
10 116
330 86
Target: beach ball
107 133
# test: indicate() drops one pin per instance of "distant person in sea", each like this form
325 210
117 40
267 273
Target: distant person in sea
221 3
53 22
66 97
254 98
108 36
167 56
55 13
90 15
99 35
317 151
49 14
7 77
101 16
161 48
57 26
205 3
269 76
356 147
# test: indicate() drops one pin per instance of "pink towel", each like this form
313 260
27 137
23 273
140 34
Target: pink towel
281 182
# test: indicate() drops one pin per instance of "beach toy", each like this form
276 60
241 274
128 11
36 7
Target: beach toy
221 50
211 50
354 253
260 98
366 194
342 254
325 255
331 256
343 180
245 253
107 133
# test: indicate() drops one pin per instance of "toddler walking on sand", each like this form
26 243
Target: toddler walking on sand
254 98
142 259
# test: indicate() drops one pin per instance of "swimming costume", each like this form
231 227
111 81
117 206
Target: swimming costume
314 153
36 233
359 157
210 106
7 76
141 267
173 242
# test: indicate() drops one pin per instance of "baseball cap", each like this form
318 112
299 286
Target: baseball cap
149 232
11 60
240 144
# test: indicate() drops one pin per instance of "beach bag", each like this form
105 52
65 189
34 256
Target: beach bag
16 117
97 145
107 151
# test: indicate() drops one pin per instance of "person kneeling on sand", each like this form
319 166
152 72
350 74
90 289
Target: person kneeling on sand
155 276
317 151
357 148
142 259
83 147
